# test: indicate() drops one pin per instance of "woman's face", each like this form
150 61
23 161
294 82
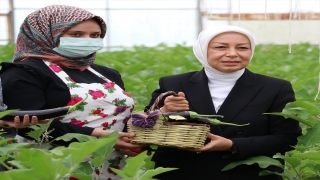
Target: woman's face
86 29
229 52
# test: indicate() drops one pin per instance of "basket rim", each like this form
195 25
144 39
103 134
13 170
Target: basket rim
184 123
171 123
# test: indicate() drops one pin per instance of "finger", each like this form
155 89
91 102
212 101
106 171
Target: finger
175 98
26 121
43 121
125 139
34 120
10 123
178 104
16 122
177 107
204 148
128 152
181 94
126 145
125 134
211 136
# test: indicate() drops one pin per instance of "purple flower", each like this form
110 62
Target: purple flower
139 120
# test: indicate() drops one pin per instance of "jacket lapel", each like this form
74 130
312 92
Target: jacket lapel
198 94
241 94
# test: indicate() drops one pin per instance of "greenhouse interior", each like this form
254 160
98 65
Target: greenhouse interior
261 123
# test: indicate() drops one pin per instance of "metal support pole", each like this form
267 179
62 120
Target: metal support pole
108 24
199 17
11 32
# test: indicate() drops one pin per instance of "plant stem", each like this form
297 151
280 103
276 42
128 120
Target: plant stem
292 175
217 122
205 115
5 165
73 107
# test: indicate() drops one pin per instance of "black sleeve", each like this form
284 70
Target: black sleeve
282 135
25 90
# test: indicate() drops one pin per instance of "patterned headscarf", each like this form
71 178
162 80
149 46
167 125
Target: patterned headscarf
41 30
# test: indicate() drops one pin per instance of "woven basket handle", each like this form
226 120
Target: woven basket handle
159 98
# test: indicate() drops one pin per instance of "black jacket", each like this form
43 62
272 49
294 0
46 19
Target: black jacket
252 95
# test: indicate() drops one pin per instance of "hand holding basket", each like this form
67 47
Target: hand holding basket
167 129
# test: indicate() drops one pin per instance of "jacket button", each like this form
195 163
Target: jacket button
238 131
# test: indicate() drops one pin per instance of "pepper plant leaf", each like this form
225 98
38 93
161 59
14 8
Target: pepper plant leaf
262 161
312 136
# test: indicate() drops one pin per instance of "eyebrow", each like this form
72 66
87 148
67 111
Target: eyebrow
77 31
227 43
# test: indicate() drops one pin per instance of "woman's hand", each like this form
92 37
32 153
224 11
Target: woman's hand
175 103
124 146
16 123
123 142
217 143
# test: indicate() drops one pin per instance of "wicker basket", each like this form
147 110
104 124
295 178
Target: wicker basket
174 134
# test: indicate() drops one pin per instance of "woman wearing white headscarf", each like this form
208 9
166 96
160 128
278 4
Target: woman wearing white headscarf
225 87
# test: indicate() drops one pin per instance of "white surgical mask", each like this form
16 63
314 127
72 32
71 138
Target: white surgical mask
78 47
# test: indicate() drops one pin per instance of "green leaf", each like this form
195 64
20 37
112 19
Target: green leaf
39 129
5 141
302 111
302 106
25 174
82 176
307 121
4 113
79 137
121 173
150 173
98 161
294 162
13 147
3 158
311 155
149 163
266 172
87 148
262 161
100 155
312 136
46 165
83 169
134 164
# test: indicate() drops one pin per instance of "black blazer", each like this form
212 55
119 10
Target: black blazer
252 95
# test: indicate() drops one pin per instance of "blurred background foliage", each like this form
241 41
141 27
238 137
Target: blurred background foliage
141 66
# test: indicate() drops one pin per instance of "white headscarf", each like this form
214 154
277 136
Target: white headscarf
200 47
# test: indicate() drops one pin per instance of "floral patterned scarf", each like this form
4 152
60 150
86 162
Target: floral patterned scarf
41 30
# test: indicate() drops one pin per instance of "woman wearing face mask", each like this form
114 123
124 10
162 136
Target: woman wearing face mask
53 66
225 87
